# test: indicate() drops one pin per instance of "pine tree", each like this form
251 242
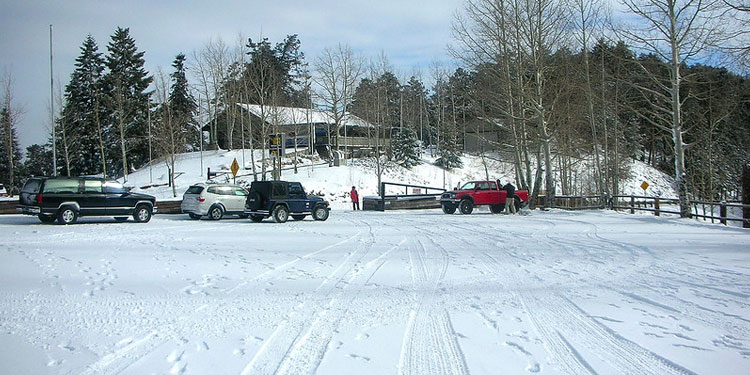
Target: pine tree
10 153
127 102
82 113
406 148
38 160
450 156
181 101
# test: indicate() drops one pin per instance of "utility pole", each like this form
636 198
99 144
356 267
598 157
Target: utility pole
150 160
52 105
200 130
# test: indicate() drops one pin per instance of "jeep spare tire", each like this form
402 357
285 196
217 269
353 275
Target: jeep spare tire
254 201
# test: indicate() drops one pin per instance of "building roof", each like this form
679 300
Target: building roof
289 116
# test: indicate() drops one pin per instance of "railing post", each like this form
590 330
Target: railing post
632 204
656 206
723 213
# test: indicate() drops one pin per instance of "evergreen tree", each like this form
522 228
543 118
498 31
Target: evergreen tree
38 160
127 102
82 113
10 153
181 101
449 153
406 148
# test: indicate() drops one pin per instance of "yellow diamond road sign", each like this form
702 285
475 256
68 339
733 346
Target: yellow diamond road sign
235 167
644 185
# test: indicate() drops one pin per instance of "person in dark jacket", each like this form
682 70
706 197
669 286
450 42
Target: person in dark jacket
355 198
510 207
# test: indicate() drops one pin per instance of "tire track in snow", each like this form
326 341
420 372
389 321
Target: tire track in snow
120 358
307 353
430 345
289 332
564 327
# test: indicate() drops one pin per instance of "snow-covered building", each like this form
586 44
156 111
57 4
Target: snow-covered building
304 128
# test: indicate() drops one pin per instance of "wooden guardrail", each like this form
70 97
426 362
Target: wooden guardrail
8 206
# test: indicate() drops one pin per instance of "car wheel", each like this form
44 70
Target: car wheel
497 208
466 206
194 216
67 215
298 217
121 218
280 214
448 208
321 213
47 219
256 218
142 213
215 213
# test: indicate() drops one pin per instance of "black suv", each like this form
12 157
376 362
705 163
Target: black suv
67 198
280 199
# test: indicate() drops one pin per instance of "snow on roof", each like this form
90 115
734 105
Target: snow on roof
287 116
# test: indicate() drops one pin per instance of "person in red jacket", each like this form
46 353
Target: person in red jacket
355 198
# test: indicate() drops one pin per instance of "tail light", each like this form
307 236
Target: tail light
39 198
200 199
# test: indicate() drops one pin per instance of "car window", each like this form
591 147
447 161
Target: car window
226 190
240 191
213 190
493 186
32 186
483 186
468 186
92 186
114 188
194 190
279 190
296 189
61 186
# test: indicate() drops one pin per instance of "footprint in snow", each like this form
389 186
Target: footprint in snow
355 356
178 368
175 356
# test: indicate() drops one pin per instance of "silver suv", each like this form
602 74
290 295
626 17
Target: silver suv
214 201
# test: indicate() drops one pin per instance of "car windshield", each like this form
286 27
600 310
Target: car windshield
468 186
114 187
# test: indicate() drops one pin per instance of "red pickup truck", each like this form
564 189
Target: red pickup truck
475 193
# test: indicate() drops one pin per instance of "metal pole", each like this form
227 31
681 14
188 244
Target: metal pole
200 130
52 106
150 158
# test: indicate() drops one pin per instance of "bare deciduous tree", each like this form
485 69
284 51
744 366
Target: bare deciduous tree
338 71
676 31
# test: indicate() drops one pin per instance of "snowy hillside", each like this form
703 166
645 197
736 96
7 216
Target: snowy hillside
334 182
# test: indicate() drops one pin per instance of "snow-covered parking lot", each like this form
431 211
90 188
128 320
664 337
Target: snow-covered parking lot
415 292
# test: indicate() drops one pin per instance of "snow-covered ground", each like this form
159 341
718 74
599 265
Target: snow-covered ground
413 292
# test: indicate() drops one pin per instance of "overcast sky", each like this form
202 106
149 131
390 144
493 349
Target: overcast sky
412 33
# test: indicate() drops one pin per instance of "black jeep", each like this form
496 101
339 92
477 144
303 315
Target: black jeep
67 198
280 199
